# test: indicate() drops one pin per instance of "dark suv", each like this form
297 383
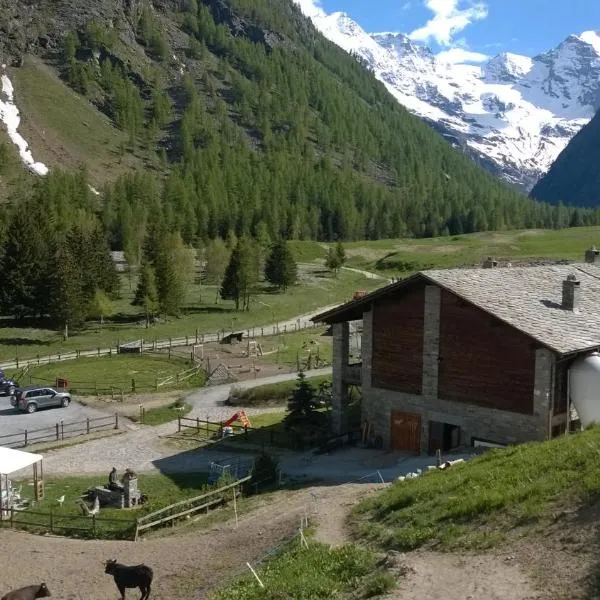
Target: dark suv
31 398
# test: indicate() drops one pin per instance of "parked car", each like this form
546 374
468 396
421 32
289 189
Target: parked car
31 398
7 386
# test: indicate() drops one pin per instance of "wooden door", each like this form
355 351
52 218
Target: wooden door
406 431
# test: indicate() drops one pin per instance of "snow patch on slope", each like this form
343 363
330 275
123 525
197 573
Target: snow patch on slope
9 115
515 112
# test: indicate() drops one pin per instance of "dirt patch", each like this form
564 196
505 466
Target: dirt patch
429 575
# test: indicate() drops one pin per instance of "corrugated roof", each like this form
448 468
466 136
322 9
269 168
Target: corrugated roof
527 298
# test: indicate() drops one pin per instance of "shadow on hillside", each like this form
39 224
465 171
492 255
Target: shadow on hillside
24 342
207 310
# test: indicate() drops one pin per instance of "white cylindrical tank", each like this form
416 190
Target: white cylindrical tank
584 387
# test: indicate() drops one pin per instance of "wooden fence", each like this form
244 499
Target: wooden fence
184 508
59 432
117 389
150 345
260 436
76 525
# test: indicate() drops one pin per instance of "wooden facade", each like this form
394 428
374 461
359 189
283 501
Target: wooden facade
398 341
479 354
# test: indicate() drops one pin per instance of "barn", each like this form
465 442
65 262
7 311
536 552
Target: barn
469 356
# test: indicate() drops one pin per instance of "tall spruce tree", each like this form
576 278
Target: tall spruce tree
239 275
280 267
303 401
174 271
146 294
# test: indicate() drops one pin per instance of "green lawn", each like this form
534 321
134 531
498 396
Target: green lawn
293 348
118 372
478 504
163 414
161 490
404 256
316 289
272 394
319 572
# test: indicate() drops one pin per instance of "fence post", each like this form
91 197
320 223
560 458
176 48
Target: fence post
98 350
178 423
17 361
51 520
196 335
62 429
12 516
169 347
132 384
156 383
116 420
25 441
198 425
57 432
38 359
87 425
94 524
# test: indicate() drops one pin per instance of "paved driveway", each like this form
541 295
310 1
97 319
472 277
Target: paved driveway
14 422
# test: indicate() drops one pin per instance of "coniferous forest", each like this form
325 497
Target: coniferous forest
253 127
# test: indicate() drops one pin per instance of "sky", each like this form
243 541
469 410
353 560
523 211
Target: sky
475 28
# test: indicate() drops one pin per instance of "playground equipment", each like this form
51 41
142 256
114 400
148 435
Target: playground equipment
238 416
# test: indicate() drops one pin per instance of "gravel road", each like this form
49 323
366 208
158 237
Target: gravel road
13 421
144 450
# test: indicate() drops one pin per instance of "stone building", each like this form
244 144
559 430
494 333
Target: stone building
463 357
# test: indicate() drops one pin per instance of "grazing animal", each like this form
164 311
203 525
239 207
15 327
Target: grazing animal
138 576
86 511
29 592
61 500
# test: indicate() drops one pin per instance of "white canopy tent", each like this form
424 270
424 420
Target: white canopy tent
12 461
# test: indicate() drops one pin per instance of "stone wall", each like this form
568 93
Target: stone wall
341 340
474 421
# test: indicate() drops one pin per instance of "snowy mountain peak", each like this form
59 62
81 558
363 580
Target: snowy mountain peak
514 114
507 67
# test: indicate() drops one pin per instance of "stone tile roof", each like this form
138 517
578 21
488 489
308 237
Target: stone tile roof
530 299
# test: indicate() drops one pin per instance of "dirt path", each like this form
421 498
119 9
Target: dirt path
186 565
433 576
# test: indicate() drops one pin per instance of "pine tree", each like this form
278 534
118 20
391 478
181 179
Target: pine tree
303 402
280 267
332 260
239 275
146 294
174 270
216 260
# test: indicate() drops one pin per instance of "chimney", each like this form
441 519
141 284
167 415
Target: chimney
489 263
570 293
591 254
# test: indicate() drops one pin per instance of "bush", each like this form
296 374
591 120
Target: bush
264 471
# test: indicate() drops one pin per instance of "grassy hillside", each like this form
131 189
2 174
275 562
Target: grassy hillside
404 256
488 500
64 129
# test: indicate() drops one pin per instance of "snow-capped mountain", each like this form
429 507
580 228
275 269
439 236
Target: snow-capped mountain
514 114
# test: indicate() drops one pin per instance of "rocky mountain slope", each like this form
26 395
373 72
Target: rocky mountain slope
575 176
513 114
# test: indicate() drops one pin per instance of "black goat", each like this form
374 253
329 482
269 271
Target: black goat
138 576
30 592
